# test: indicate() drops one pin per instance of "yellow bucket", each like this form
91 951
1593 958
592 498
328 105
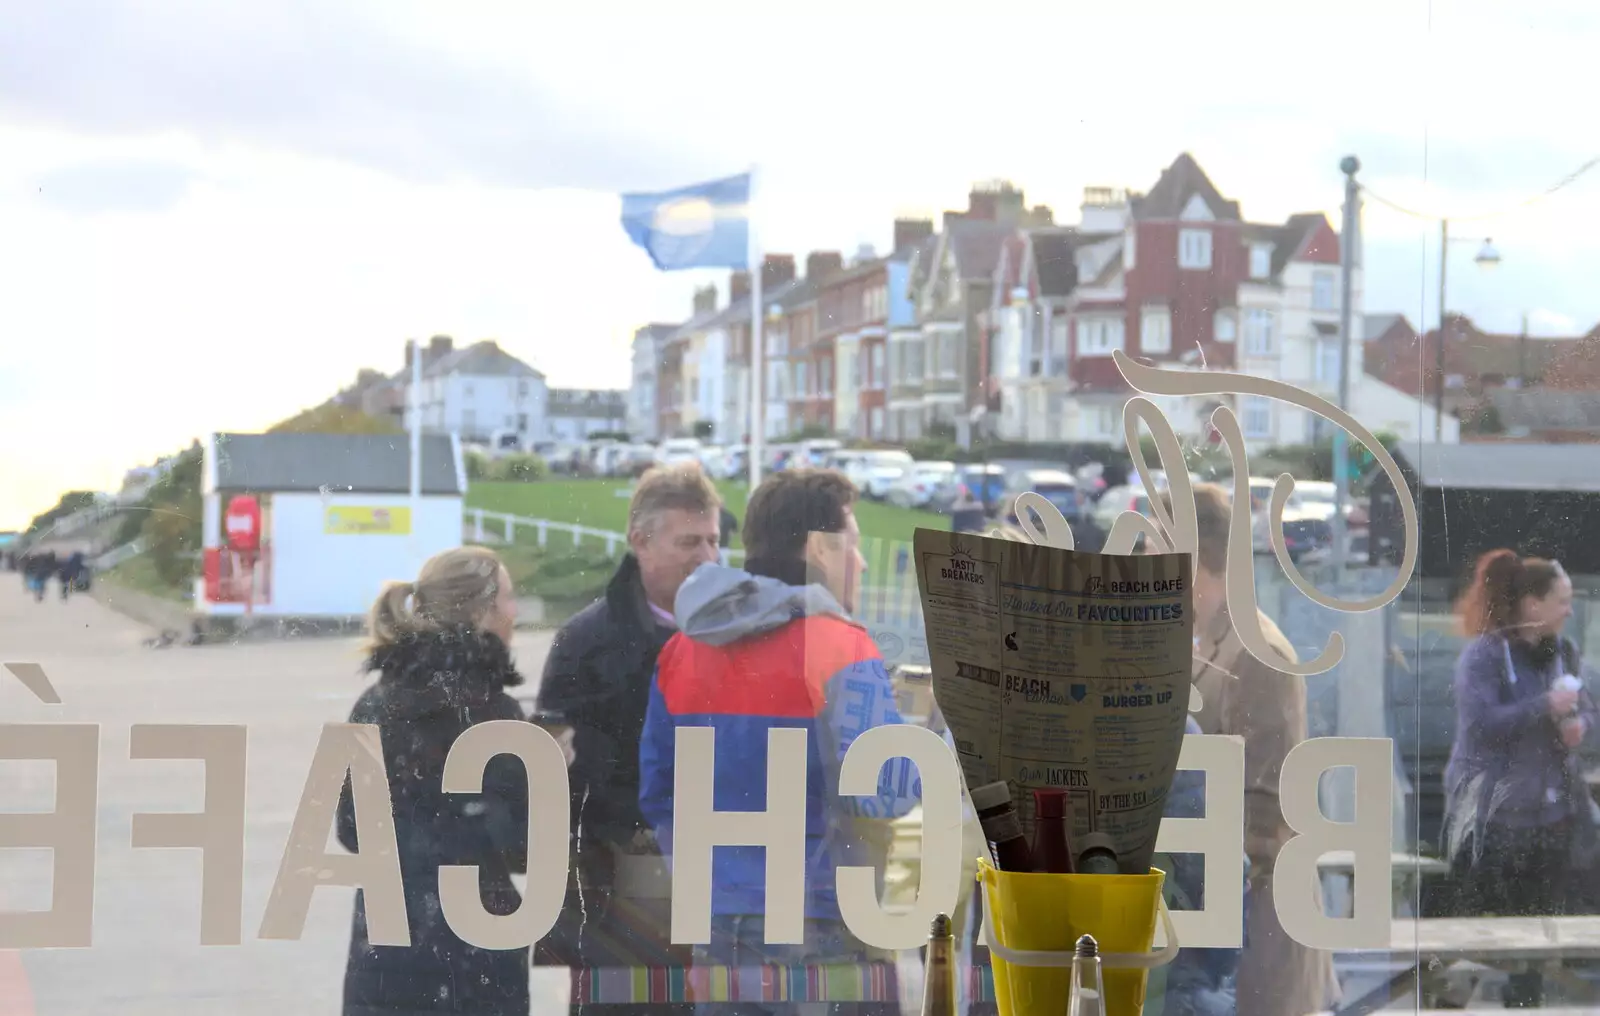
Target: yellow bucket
1036 920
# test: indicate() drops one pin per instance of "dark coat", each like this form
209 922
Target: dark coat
597 681
431 689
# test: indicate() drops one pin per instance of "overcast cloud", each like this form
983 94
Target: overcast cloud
216 212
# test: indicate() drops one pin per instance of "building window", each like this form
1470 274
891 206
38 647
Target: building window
1194 249
826 371
1257 416
875 366
875 422
1105 421
1225 325
946 345
1455 381
1322 291
914 360
1328 361
800 388
1099 336
1155 330
1261 261
522 387
1258 332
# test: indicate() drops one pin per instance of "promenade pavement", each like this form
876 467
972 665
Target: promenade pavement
146 958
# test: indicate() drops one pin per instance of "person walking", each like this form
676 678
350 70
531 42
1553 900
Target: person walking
68 573
441 649
597 683
1247 697
770 647
1514 789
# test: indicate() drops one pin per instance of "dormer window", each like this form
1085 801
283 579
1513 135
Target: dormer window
1194 249
1261 261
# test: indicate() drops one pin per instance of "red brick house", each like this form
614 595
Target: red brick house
1476 362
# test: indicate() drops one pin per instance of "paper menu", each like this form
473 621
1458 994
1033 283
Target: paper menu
1059 668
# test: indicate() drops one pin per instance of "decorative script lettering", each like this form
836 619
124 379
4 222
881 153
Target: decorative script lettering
1177 530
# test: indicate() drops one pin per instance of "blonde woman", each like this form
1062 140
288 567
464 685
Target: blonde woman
440 647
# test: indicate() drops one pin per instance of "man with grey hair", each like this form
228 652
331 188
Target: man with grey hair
597 682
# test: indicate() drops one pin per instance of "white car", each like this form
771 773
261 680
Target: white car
919 483
678 450
873 472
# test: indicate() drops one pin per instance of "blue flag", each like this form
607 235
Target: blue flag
703 226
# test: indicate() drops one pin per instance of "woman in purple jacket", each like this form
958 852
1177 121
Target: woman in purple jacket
1513 787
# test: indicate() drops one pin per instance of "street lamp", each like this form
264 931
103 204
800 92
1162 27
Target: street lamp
1349 237
1487 257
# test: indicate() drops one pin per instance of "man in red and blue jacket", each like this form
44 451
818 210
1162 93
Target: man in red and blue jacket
766 647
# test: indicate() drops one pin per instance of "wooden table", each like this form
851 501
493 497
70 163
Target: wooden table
1430 946
1406 870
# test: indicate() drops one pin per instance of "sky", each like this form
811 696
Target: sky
212 215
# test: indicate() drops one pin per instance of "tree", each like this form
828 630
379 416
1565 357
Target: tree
331 418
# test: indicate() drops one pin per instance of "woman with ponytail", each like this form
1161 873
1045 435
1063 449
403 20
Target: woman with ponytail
441 650
1515 798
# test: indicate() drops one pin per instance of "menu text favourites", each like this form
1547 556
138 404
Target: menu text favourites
1095 612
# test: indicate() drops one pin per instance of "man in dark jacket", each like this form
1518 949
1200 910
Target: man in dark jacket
597 682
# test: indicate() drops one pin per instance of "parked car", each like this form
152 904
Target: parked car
814 452
1306 529
678 450
1317 496
987 483
918 485
1129 497
872 470
1054 485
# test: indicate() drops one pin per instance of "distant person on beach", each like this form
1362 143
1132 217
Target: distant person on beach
441 649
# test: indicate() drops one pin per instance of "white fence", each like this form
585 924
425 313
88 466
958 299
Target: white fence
502 527
116 556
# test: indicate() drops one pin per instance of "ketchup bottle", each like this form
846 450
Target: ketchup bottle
1052 853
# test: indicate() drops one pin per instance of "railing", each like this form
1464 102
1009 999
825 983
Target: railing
485 523
117 555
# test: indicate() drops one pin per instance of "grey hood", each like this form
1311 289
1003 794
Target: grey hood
719 605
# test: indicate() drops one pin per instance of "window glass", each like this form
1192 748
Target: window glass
408 501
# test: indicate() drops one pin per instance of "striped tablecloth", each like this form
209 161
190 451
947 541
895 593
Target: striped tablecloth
864 982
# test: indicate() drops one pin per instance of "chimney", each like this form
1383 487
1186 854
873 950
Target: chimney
705 300
738 287
1104 209
823 263
438 346
910 232
996 201
776 270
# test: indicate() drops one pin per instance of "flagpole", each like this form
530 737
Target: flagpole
416 443
758 345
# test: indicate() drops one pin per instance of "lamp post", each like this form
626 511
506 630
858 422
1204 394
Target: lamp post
1487 257
1348 241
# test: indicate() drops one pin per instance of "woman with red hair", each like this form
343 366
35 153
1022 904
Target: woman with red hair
1514 793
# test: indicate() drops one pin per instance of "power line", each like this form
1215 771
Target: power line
1565 181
